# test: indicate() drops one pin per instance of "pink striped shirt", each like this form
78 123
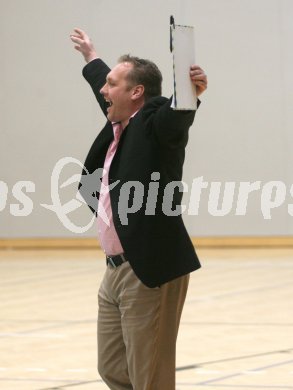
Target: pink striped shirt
107 233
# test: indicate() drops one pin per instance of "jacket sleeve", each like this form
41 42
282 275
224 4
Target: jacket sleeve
170 127
95 73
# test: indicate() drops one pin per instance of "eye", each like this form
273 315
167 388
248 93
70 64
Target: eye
110 83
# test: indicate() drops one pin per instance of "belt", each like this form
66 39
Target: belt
115 261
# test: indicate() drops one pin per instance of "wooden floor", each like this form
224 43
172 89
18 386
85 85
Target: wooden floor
236 330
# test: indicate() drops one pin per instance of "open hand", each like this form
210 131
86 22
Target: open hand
83 44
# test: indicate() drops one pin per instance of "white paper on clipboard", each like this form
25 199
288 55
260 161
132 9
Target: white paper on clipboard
182 45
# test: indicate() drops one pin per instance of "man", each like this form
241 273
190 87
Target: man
137 202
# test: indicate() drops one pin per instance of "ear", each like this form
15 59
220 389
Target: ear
137 92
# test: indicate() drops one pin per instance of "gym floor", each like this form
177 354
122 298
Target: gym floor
236 330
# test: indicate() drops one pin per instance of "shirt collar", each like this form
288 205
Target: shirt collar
114 123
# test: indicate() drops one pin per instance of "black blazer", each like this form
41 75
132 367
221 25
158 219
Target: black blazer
156 245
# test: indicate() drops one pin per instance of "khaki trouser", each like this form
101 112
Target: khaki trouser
137 330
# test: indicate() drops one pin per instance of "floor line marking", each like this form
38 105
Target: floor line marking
35 369
193 366
77 370
36 335
238 292
266 387
240 373
73 384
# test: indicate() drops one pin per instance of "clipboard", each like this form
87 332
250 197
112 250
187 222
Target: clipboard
183 53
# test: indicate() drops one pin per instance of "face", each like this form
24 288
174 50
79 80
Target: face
117 92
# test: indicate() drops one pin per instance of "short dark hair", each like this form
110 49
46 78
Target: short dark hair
144 72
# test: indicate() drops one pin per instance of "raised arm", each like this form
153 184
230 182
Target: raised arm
96 70
171 126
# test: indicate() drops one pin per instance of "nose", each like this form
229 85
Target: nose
103 90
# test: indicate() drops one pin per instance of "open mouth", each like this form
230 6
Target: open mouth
109 102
